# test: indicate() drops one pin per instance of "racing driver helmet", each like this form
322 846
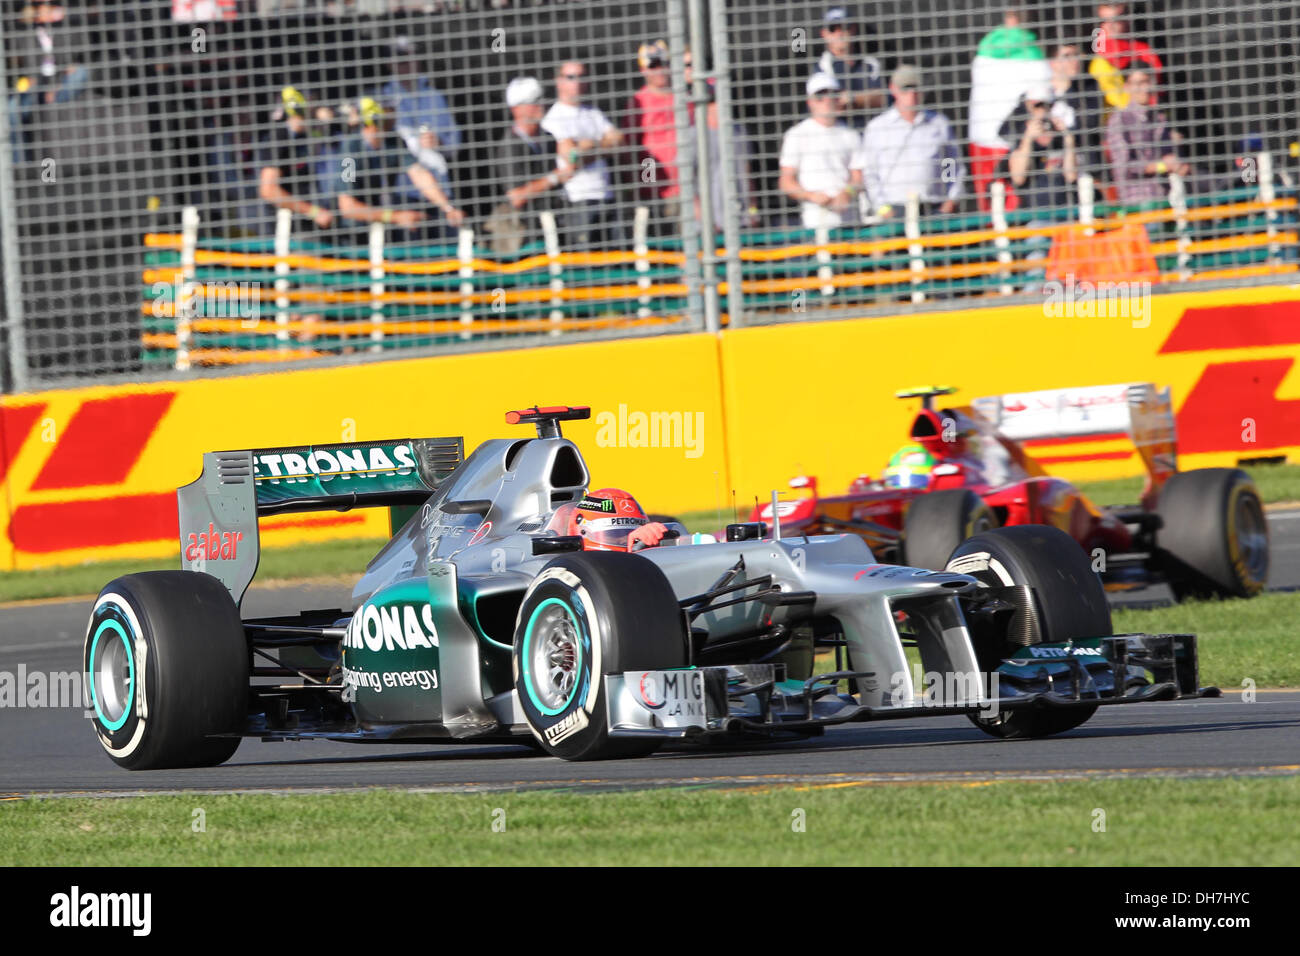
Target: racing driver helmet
605 518
909 468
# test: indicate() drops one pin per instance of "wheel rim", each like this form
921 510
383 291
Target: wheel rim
553 651
112 675
1251 534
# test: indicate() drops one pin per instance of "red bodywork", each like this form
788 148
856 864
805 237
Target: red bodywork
877 512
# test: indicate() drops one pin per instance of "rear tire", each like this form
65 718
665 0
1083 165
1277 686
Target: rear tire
167 667
938 522
587 615
1213 542
1069 601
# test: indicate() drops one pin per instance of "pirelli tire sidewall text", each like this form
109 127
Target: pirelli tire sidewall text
177 640
616 612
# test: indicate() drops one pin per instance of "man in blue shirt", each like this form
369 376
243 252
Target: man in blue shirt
861 80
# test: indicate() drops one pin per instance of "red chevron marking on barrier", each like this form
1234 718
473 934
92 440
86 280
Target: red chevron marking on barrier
1235 327
103 441
16 423
1207 422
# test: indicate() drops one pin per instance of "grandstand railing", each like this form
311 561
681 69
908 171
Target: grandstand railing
210 301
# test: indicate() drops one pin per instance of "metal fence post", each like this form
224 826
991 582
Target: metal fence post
726 160
708 229
186 308
13 276
1264 170
912 229
283 240
641 251
1087 203
1183 239
551 233
690 226
465 253
377 286
998 209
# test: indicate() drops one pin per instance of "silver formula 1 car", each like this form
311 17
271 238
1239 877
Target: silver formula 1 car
478 622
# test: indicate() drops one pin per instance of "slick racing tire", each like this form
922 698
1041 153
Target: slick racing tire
936 523
166 668
1069 604
587 615
1213 540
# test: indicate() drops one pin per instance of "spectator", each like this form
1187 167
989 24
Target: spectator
908 151
419 109
1007 63
862 85
742 170
652 127
287 180
422 119
1117 54
48 70
1142 148
816 158
1079 108
373 166
583 137
530 173
1043 167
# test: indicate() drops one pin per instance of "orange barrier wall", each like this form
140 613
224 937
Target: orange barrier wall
91 473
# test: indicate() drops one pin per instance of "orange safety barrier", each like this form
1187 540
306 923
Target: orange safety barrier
426 326
1225 243
1122 254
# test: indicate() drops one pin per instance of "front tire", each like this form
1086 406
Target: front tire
938 522
166 668
1069 604
587 615
1213 540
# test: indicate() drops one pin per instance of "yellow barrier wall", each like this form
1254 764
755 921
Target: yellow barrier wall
815 398
91 473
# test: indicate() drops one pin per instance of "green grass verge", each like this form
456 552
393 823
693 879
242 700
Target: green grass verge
1241 639
1148 822
1276 483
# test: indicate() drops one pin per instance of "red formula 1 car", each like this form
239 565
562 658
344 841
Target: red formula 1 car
967 470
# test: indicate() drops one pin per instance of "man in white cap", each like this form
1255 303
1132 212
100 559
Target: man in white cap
816 154
862 84
527 163
907 151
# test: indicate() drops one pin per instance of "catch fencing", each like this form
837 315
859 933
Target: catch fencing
235 184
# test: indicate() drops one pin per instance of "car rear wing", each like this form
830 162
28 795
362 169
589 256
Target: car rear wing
218 513
1140 412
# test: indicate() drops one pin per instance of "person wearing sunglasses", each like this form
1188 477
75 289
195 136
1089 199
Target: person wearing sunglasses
584 138
861 80
816 155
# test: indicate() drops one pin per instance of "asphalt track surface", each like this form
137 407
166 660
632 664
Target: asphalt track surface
53 751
